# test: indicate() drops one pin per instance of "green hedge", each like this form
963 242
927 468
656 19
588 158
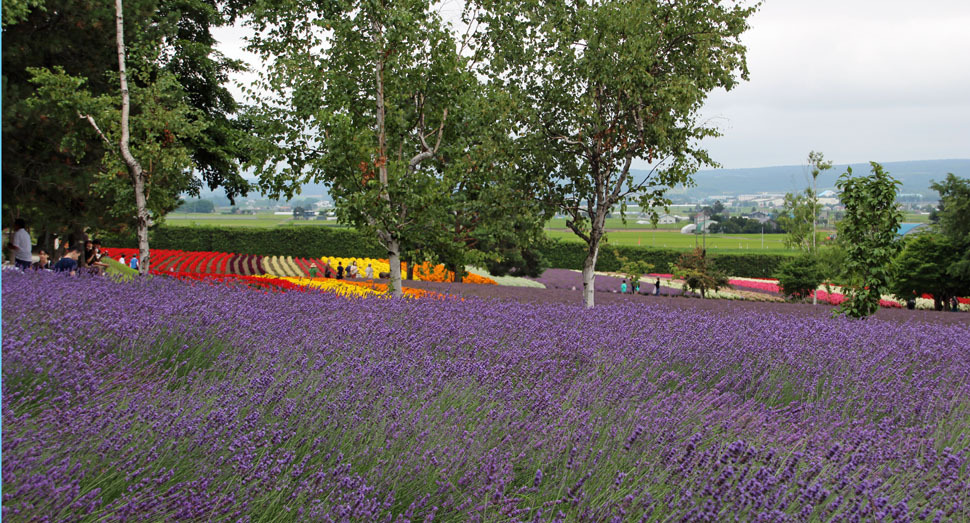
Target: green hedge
301 242
313 242
570 255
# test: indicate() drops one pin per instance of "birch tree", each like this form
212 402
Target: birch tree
357 94
605 83
70 179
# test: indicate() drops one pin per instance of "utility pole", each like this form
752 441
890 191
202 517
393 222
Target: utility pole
704 231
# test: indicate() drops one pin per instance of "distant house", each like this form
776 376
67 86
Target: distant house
692 228
667 219
769 202
829 201
759 216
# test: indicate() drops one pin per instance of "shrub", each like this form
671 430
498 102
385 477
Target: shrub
799 277
698 274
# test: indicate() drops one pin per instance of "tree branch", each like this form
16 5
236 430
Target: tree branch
94 124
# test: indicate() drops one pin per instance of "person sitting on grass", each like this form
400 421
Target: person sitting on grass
97 266
44 262
90 254
68 262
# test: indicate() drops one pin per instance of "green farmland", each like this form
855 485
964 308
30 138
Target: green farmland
631 233
773 243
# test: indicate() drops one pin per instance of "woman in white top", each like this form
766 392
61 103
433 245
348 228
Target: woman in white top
21 245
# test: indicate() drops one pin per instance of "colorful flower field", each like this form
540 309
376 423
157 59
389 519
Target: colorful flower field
167 400
286 272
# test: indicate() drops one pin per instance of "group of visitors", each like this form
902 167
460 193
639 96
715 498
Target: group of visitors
351 271
634 287
92 252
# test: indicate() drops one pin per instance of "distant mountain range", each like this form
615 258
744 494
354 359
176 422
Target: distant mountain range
915 176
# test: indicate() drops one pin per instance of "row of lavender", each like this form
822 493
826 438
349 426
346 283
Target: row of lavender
171 400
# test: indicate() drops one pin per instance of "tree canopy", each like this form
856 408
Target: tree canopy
599 85
56 173
868 234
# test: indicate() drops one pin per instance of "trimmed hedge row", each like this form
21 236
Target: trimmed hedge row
299 242
313 242
570 255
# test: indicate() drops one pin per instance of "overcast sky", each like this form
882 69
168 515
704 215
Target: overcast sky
860 80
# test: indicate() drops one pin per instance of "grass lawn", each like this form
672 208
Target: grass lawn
773 243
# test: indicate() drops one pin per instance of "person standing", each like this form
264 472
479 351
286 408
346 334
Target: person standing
134 262
340 270
121 260
21 244
352 269
656 288
369 272
623 287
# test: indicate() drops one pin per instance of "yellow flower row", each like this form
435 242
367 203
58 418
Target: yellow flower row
351 288
424 271
338 287
378 266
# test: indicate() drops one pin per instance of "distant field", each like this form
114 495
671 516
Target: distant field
916 218
239 220
773 243
617 223
631 233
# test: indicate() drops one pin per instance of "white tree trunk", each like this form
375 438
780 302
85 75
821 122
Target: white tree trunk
589 274
394 258
143 256
134 168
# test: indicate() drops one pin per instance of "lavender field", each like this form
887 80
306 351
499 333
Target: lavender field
169 400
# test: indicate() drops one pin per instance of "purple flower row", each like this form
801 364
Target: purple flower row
567 279
164 399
